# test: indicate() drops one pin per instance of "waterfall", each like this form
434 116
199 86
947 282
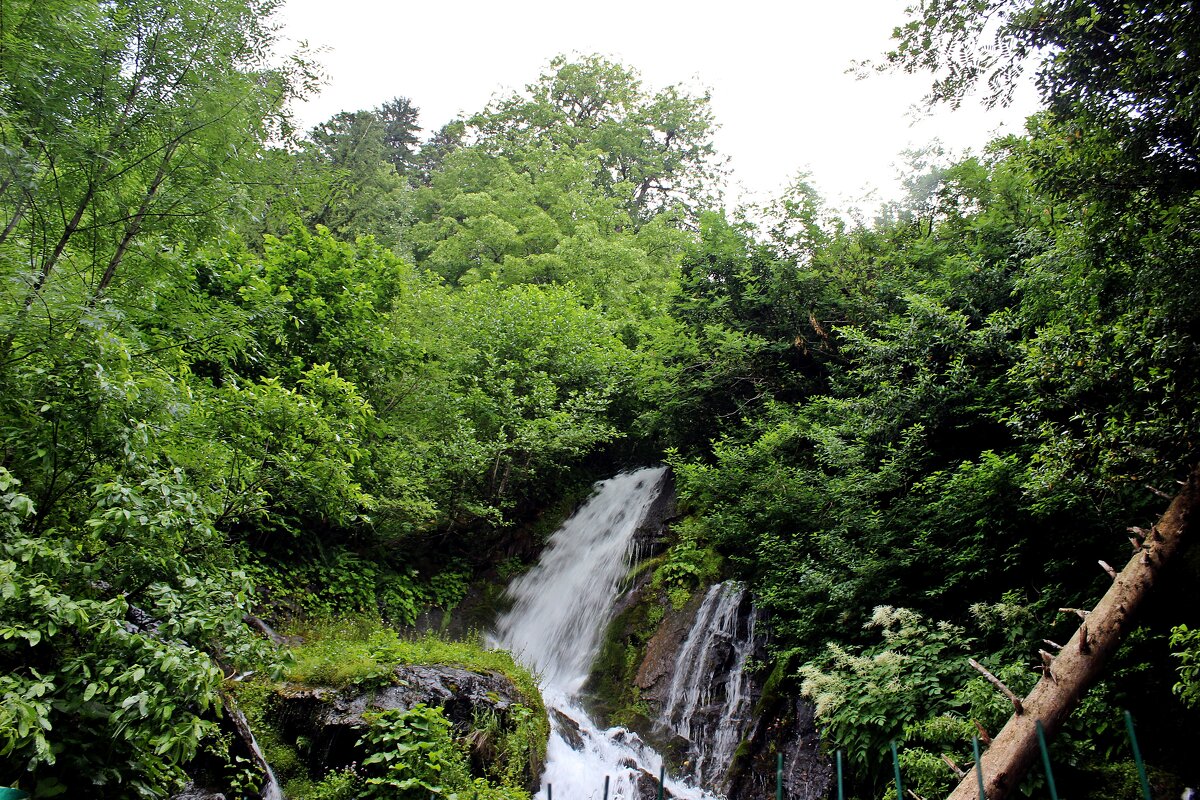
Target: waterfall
561 608
713 656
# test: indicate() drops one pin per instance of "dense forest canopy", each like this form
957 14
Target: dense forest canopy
246 370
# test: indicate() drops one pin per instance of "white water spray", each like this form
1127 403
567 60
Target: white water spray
554 627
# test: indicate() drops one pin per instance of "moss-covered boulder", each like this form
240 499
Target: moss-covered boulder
325 724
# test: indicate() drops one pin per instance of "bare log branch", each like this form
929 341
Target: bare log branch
999 684
1159 492
955 768
1104 565
1047 663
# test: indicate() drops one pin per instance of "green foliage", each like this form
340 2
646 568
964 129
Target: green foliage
1188 687
345 784
687 565
343 652
289 453
528 377
539 218
654 149
93 703
864 701
960 402
126 131
739 335
1122 70
341 583
413 755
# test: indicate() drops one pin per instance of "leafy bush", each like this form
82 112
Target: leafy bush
867 699
93 703
1188 687
343 583
346 784
687 565
413 755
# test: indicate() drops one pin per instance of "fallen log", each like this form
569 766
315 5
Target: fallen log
1077 666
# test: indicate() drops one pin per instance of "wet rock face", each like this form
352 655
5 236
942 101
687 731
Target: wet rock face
647 787
650 537
788 727
701 731
325 724
660 659
568 729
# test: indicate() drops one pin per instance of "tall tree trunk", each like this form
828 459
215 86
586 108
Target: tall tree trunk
18 213
1079 663
135 225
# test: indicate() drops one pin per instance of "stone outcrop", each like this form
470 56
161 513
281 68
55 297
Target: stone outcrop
324 724
192 792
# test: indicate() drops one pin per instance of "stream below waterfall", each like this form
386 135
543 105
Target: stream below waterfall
560 610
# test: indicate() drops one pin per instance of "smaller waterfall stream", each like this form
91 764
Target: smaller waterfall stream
719 643
270 787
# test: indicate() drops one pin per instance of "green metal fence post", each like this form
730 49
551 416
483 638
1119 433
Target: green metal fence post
662 774
896 767
1137 756
779 777
841 793
549 791
1041 734
978 767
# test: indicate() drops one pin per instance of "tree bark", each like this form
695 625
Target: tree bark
1079 664
135 225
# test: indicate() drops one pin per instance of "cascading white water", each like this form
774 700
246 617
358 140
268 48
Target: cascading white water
720 641
560 610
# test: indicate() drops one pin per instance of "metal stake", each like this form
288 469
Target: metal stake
978 767
1041 734
841 794
1137 756
896 767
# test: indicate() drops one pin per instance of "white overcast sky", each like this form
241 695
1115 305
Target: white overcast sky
777 71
